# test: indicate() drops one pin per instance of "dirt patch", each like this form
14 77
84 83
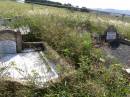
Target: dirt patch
121 53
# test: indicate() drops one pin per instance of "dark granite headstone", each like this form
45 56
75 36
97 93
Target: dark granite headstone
111 36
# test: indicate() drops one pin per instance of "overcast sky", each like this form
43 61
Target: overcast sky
114 4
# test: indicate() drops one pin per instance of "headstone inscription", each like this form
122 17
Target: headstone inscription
111 34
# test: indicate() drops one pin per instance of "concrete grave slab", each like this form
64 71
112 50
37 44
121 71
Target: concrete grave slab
28 66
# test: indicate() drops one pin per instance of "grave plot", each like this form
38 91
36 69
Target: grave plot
114 46
24 61
31 66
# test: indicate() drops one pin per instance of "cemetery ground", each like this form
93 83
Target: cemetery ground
121 55
67 32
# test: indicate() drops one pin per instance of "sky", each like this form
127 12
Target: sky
105 4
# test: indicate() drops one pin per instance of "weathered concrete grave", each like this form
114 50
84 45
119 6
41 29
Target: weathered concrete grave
28 66
24 65
10 42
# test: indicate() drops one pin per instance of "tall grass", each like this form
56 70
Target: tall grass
68 33
98 23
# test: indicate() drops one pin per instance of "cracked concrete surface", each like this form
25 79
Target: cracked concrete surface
28 66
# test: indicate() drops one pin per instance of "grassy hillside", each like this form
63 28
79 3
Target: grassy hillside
67 32
96 23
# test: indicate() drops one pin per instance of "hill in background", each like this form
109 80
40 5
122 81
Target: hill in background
127 12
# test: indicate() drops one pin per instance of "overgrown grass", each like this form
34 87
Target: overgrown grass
96 23
68 33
